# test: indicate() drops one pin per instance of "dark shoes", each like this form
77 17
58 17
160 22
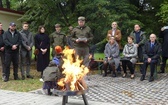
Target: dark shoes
124 75
16 78
142 78
132 76
151 79
29 76
5 79
161 72
23 77
114 75
104 75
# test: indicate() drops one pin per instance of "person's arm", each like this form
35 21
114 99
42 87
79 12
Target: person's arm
90 38
124 51
73 35
32 41
118 36
117 52
19 41
158 52
142 42
145 51
6 41
106 52
24 41
135 52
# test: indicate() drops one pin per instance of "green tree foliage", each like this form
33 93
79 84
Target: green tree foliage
99 15
163 13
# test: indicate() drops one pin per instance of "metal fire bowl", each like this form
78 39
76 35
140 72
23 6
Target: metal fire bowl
69 92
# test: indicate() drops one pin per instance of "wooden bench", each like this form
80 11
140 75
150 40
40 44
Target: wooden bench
100 64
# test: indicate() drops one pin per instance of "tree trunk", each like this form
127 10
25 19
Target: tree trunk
1 5
8 4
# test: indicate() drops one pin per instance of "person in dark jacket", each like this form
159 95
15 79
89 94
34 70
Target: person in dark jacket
12 40
26 50
151 55
42 43
2 51
164 36
139 40
57 38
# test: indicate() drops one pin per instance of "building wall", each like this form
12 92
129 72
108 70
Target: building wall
7 17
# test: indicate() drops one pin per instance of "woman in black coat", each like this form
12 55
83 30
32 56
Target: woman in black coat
42 43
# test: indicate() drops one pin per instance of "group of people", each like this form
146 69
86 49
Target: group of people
138 48
13 43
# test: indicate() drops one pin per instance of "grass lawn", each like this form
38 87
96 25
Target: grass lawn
22 85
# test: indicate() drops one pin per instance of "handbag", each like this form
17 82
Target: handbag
36 51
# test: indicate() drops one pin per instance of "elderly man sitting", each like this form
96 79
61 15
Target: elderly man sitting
151 55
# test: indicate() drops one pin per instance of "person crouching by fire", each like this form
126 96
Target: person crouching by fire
53 72
112 57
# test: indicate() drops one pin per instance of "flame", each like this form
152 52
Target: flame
73 71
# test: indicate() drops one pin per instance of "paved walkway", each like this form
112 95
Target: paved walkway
102 91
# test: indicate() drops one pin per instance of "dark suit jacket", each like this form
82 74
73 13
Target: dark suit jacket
26 42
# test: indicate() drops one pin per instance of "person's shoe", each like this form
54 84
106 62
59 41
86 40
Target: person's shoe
114 75
23 77
124 75
142 78
5 79
16 78
151 79
132 76
104 75
29 76
161 72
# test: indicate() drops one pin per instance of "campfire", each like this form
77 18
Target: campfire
73 71
72 83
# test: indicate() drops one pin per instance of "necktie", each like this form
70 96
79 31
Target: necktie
152 45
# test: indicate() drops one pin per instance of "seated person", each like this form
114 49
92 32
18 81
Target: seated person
152 50
112 57
130 57
53 72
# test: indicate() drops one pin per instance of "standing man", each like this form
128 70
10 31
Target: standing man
164 36
82 36
2 51
152 50
116 33
12 40
26 50
139 40
57 38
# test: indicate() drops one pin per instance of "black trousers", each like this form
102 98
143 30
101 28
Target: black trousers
126 63
111 67
164 59
140 56
152 67
14 58
2 54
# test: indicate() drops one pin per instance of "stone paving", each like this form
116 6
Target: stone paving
126 91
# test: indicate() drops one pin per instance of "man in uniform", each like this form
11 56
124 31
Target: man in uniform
82 36
58 38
